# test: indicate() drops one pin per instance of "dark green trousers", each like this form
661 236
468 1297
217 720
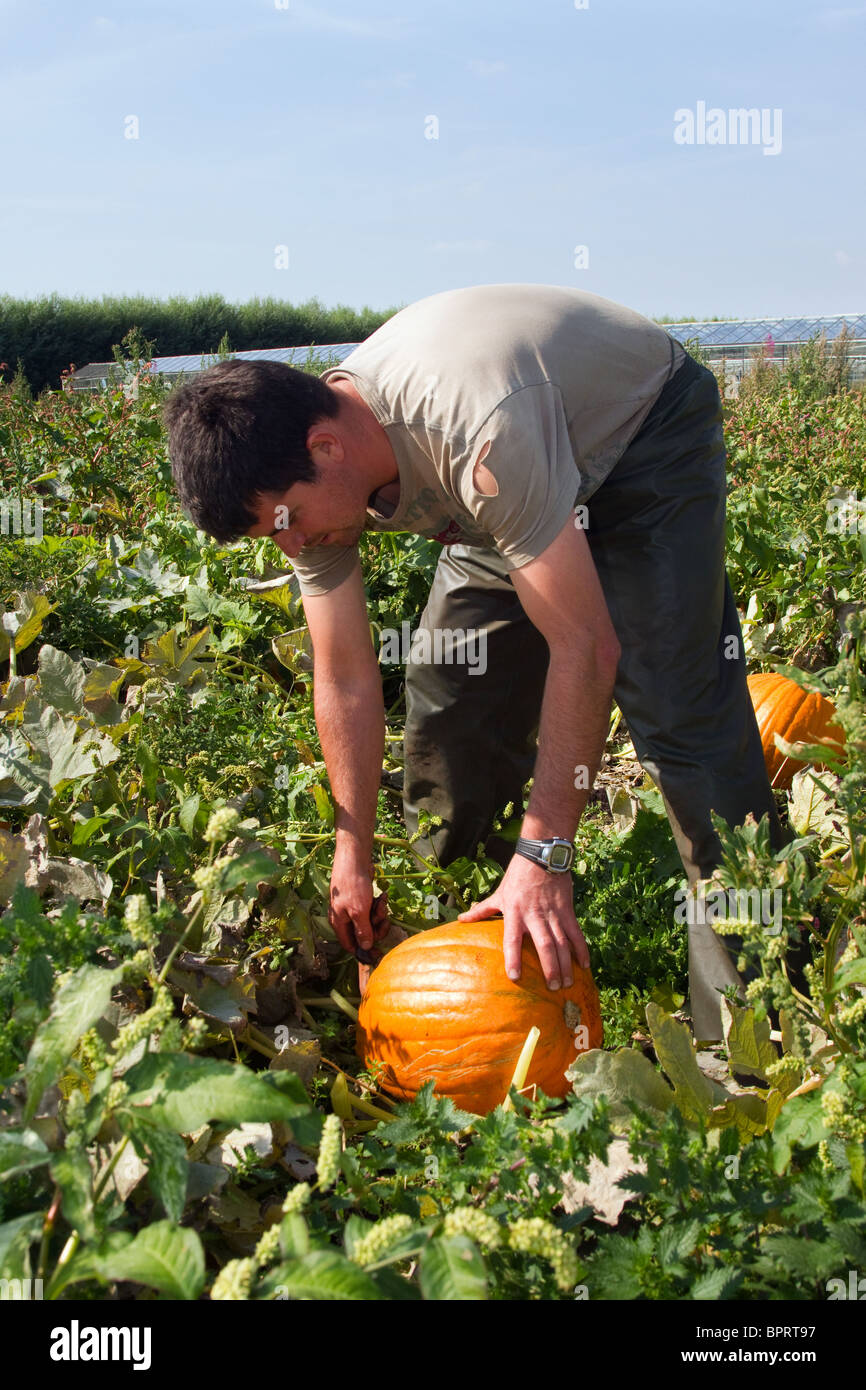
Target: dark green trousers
656 532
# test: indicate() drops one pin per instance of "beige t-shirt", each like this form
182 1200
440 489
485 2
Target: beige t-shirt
554 381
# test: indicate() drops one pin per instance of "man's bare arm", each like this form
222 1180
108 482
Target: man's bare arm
562 595
350 718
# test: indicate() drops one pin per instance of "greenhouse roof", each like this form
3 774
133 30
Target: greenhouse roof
716 334
197 362
742 332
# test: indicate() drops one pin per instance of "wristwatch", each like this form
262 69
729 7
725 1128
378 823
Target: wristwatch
555 855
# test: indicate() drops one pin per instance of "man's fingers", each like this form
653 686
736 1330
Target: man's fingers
363 932
488 907
563 956
512 949
578 945
352 931
379 915
345 931
548 953
556 947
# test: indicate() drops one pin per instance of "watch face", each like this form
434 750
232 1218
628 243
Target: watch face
560 856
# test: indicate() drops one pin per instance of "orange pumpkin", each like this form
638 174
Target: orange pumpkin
440 1007
798 715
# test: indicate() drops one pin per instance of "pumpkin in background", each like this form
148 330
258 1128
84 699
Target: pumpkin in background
798 715
440 1006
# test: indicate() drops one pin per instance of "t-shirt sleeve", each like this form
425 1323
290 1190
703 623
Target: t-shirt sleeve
323 567
532 461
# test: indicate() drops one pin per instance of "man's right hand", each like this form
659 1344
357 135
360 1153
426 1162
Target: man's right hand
357 917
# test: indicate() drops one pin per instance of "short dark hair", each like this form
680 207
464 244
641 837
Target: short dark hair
240 429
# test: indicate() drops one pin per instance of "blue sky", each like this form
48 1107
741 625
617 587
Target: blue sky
306 127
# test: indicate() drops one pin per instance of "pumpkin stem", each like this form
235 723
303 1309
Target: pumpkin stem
524 1061
344 1006
342 1101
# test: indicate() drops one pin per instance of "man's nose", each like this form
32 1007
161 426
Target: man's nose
290 542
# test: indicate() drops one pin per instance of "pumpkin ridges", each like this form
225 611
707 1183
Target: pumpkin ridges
799 716
416 1022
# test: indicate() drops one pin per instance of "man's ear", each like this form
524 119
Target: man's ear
326 444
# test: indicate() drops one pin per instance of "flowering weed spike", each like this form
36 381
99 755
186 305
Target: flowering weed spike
533 1235
477 1225
221 825
379 1239
297 1198
330 1148
234 1281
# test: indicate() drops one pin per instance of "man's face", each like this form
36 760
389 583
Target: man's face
309 514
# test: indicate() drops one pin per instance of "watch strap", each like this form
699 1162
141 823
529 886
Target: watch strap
535 850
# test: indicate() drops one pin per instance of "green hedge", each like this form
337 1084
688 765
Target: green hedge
49 333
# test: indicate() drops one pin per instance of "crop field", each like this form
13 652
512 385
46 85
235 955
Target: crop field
184 1114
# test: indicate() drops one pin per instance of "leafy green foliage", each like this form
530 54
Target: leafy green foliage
173 996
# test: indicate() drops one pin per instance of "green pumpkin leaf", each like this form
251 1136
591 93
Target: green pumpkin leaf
23 782
694 1093
14 863
747 1040
68 755
294 650
61 681
176 660
26 621
623 1076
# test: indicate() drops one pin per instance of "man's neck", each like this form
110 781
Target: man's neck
377 456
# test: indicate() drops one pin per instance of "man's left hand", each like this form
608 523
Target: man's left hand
534 901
